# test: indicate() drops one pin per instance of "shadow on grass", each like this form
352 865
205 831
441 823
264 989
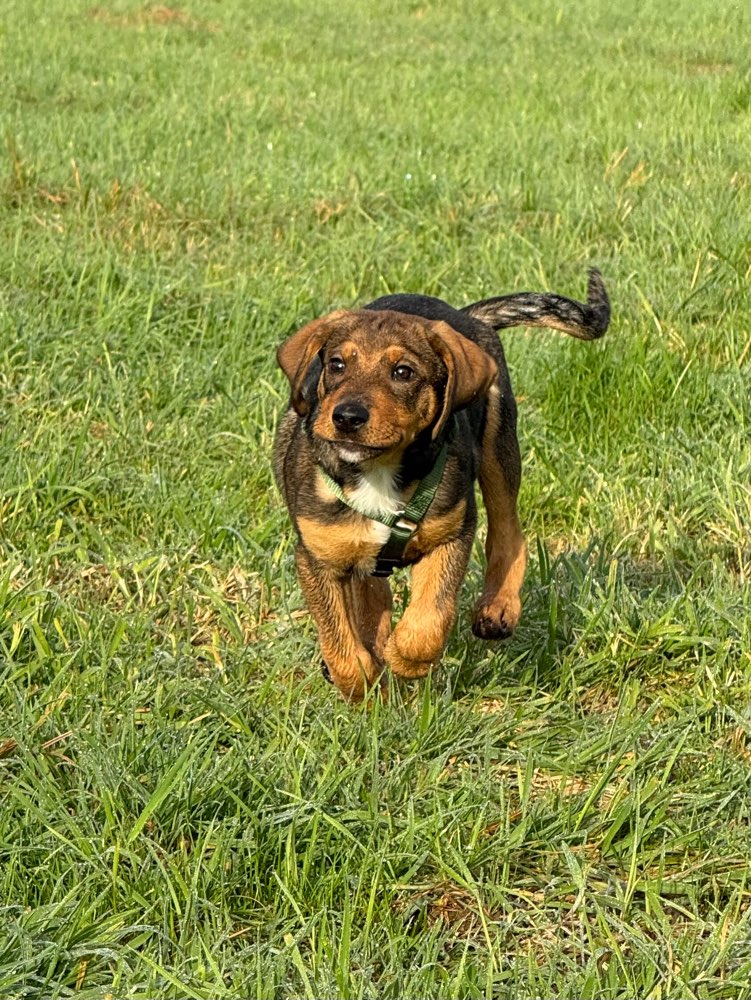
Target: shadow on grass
591 617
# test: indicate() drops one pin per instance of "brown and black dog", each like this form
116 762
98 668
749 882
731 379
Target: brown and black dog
383 398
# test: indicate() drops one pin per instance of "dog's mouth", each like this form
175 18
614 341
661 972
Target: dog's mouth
354 453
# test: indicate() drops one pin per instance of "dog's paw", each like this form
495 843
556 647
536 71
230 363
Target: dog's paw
404 665
486 627
357 679
496 619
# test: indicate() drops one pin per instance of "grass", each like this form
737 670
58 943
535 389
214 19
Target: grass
186 809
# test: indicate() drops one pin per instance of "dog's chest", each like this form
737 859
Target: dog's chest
353 540
376 493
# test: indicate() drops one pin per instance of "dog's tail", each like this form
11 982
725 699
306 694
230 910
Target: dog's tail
587 321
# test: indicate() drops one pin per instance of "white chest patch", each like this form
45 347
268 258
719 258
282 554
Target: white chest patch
376 493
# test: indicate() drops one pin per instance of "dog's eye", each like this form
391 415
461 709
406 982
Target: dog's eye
402 373
335 366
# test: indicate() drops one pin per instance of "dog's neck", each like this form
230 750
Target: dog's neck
377 490
382 486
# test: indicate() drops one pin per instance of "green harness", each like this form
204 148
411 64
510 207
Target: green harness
404 524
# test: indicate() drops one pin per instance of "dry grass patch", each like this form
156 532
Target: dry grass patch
154 15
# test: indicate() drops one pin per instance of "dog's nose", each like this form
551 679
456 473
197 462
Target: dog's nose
349 416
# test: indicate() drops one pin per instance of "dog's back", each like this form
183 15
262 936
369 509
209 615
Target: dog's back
430 308
585 320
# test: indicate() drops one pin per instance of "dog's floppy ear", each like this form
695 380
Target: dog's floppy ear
471 370
297 352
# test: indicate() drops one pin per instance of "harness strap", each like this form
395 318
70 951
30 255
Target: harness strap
403 524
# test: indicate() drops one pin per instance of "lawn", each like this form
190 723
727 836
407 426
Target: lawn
186 808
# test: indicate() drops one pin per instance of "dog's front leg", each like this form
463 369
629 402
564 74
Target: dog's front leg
417 642
351 665
371 611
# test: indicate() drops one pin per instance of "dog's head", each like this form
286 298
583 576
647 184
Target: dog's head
370 382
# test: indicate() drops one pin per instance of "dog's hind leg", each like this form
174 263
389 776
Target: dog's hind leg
498 610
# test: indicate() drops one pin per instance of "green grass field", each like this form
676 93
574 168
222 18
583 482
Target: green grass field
186 808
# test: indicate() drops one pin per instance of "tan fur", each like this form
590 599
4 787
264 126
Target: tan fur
470 370
391 425
418 640
354 542
434 531
371 609
505 548
297 351
352 666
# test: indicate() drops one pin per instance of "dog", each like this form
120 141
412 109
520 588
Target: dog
395 410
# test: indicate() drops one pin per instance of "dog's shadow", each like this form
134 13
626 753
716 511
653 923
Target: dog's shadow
583 612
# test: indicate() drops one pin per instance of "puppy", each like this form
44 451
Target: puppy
395 410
